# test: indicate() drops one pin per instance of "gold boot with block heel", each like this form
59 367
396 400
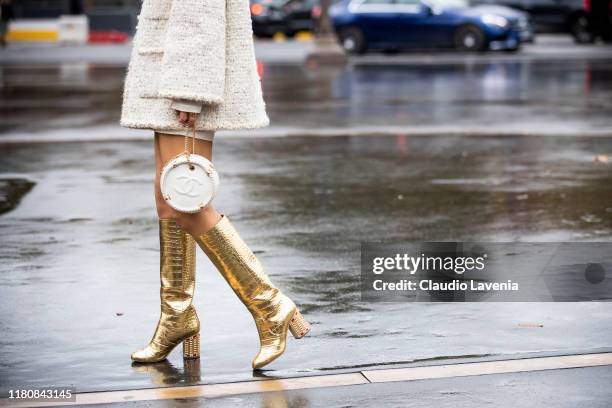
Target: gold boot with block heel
274 313
178 321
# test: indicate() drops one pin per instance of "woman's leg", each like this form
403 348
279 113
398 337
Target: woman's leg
178 320
164 211
274 313
166 148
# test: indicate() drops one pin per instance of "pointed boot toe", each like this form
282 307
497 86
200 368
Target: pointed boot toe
147 355
267 355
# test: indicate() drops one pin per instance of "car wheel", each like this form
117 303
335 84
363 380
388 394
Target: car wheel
513 49
469 38
581 30
351 39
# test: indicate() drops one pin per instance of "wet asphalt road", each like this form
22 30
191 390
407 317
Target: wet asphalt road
80 254
553 89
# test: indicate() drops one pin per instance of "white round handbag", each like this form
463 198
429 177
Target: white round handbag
189 181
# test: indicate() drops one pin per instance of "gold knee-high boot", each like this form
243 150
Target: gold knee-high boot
178 321
274 313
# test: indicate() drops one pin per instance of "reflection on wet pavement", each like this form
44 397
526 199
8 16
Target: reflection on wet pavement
164 373
80 255
516 96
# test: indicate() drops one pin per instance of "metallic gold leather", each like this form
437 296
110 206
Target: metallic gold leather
271 309
178 320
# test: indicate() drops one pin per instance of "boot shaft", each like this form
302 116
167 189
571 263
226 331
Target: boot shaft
177 267
238 265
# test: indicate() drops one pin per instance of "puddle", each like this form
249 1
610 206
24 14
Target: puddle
12 190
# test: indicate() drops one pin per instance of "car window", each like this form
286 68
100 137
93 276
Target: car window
385 6
448 4
408 6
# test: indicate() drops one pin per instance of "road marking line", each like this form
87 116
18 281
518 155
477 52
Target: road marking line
206 391
488 367
333 380
32 35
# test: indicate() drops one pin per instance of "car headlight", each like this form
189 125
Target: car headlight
494 19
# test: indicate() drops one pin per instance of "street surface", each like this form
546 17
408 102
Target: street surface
559 389
493 147
80 250
551 88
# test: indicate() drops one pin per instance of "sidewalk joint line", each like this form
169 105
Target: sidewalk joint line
364 376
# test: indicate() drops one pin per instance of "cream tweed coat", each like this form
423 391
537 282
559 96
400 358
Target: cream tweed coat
195 50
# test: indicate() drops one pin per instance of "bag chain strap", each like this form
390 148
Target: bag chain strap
193 138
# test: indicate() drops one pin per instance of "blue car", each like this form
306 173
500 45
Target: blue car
364 25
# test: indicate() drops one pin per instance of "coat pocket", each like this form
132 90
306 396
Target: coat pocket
150 36
156 9
146 68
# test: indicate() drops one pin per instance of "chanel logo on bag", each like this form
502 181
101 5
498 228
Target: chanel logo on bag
189 186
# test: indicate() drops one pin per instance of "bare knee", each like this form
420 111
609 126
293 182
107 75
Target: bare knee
197 223
192 223
164 211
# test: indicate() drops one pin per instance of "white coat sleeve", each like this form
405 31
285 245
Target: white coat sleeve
186 106
193 65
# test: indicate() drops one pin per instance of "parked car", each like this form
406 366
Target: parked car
300 15
584 19
267 17
284 16
399 24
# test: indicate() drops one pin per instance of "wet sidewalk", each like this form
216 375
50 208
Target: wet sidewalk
80 257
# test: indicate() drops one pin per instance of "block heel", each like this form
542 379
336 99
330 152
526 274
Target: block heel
191 347
298 326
